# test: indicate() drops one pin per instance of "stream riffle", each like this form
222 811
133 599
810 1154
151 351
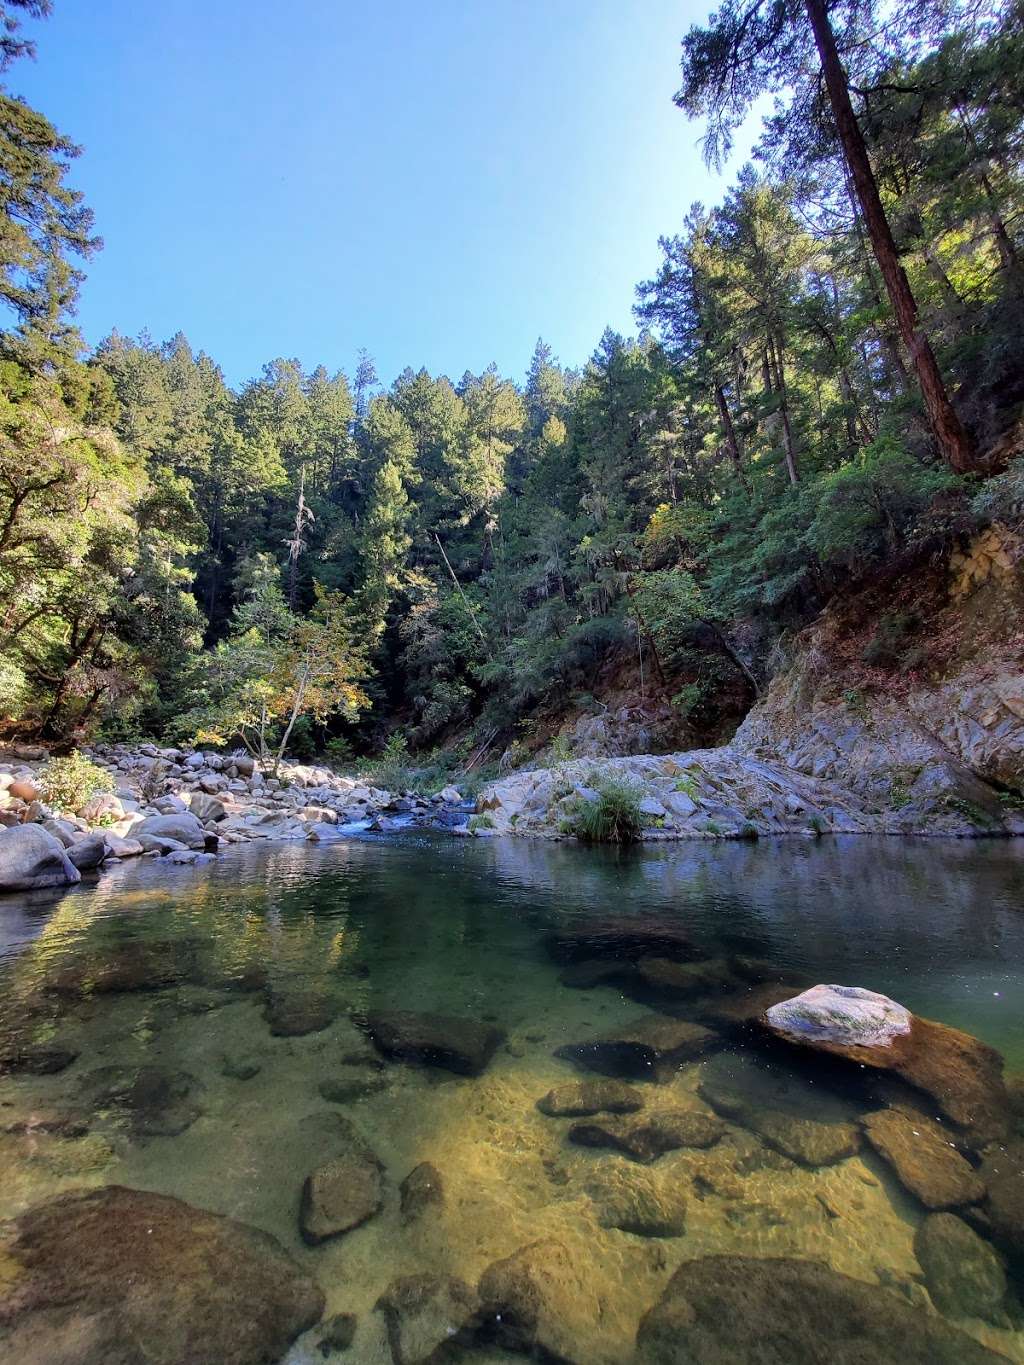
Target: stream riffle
599 1138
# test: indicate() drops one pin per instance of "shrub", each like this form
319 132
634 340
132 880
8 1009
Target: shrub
480 822
339 751
70 783
613 818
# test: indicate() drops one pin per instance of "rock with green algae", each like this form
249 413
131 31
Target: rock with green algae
118 1276
964 1273
745 1310
344 1192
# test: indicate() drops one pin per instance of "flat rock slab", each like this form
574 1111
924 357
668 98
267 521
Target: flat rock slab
624 937
464 1046
540 1300
345 1191
582 1099
125 1277
963 1272
743 1310
650 1048
647 1139
426 1317
962 1074
925 1160
792 1117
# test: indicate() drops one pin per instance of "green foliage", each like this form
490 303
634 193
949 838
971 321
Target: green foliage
70 783
483 821
612 818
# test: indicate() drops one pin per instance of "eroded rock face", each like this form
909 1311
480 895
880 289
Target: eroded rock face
925 1160
31 858
464 1046
345 1191
843 1015
581 1099
125 1277
650 1048
539 1300
747 1311
964 1274
427 1316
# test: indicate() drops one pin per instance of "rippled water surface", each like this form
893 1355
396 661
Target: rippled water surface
241 991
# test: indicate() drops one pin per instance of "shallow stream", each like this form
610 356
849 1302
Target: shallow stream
243 988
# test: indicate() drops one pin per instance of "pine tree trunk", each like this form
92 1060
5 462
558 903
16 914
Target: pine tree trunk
946 426
731 441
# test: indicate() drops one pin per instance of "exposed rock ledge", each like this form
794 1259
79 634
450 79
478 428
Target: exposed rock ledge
944 761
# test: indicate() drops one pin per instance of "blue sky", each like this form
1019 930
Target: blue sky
438 183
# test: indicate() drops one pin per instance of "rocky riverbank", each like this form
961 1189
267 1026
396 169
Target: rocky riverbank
183 805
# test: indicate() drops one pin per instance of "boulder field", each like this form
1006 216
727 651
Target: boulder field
183 806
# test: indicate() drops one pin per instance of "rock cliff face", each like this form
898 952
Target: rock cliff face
937 749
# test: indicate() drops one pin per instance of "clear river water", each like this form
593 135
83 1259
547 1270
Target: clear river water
240 991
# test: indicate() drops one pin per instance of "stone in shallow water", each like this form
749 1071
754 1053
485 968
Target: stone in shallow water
540 1300
422 1189
158 1102
338 1333
742 1008
661 976
345 1191
350 1085
962 1074
633 1199
581 1099
647 1139
291 1014
923 1157
125 1277
793 1117
240 1067
464 1046
149 965
32 1059
744 1310
426 1317
847 1015
1003 1173
649 1048
964 1274
622 937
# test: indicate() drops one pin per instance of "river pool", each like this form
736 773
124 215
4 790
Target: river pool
240 992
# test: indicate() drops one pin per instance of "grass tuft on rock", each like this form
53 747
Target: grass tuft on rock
613 817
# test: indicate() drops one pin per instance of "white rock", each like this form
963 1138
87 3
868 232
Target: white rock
849 1015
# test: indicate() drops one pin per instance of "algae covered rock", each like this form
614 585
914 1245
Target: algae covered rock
124 1277
343 1192
539 1300
633 1199
422 1189
744 1310
647 1139
427 1316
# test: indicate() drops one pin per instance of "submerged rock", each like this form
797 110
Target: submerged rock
647 1139
352 1084
345 1191
580 1099
776 1106
31 859
142 965
965 1276
125 1277
34 1059
745 1310
622 937
649 1048
157 1102
338 1333
1003 1174
427 1316
661 976
636 1200
540 1300
292 1014
422 1189
464 1046
962 1074
923 1157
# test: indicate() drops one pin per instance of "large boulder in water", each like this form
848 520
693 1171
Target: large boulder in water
962 1074
125 1277
464 1046
30 859
743 1310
